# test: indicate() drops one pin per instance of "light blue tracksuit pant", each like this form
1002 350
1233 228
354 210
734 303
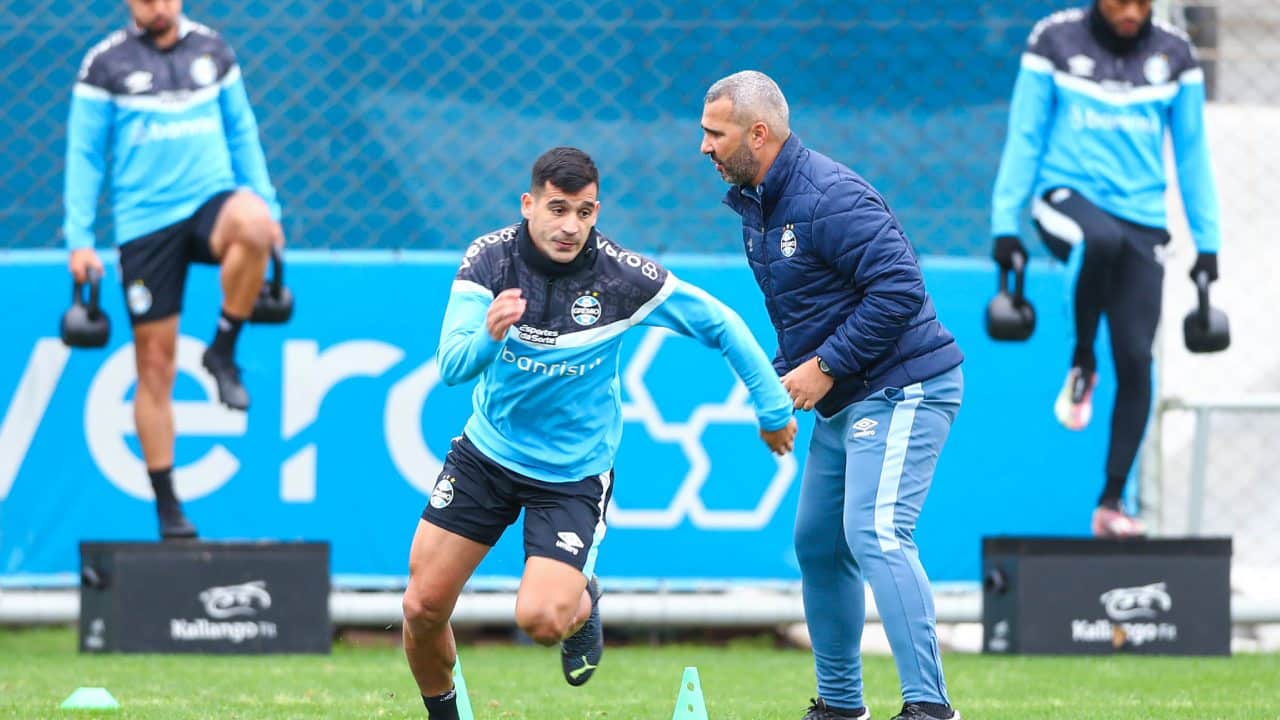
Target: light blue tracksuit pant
865 480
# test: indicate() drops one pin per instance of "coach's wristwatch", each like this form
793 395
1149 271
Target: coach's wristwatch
824 367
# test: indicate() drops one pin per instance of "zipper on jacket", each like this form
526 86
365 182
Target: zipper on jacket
173 71
546 300
770 300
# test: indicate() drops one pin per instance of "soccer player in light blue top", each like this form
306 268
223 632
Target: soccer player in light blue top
1098 91
536 317
164 100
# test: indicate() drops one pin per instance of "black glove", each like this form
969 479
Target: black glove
1205 262
1006 246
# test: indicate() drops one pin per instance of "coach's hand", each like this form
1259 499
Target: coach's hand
504 311
807 384
782 440
81 261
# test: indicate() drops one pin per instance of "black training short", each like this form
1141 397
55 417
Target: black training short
153 267
478 499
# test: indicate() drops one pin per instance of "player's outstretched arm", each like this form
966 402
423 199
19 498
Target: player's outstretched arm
693 312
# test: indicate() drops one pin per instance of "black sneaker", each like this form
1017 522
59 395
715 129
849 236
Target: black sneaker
913 711
818 710
580 652
174 524
230 392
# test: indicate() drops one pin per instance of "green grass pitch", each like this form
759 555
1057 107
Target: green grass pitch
745 680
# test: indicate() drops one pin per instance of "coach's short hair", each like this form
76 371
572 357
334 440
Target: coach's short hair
755 97
567 168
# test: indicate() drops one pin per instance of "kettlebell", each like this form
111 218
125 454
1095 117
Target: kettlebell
274 305
1205 329
1010 316
84 325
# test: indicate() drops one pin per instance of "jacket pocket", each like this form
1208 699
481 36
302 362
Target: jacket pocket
894 395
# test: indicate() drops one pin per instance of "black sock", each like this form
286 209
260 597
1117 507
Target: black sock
224 342
855 712
162 485
442 707
1112 491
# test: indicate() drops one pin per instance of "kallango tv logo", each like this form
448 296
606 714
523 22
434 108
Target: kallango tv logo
229 610
1132 618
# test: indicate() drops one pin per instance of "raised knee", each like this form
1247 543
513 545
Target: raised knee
1103 247
544 625
251 226
258 236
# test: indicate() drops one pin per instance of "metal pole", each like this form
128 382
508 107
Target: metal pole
961 603
1199 461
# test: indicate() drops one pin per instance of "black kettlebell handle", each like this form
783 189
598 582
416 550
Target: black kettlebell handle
1202 293
1019 278
277 271
93 280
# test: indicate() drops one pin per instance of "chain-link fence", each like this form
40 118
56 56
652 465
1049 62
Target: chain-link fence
1237 390
413 124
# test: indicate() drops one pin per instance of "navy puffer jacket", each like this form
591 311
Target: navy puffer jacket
840 278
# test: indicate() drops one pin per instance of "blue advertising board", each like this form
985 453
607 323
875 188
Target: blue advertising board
350 421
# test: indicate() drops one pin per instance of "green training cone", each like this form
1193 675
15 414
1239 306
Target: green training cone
90 698
689 703
460 685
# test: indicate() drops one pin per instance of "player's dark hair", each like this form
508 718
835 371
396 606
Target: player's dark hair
568 169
